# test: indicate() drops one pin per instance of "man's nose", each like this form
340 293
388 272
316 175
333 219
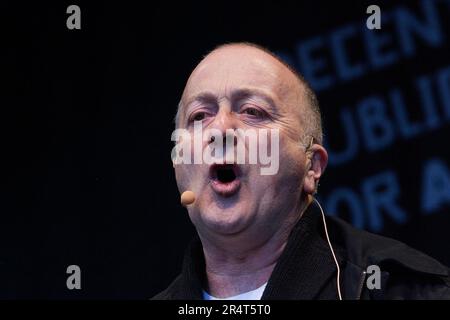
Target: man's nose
224 120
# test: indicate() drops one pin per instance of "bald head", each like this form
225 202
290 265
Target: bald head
261 63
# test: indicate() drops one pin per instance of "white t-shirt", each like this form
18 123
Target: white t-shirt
250 295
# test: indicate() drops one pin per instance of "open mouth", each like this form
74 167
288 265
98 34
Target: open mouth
225 178
225 173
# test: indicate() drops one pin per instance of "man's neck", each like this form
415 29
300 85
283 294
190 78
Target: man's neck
232 274
233 268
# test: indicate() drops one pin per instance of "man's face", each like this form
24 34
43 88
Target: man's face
241 87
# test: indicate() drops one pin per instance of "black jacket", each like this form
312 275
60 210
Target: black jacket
306 268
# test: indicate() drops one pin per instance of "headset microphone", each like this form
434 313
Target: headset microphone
187 198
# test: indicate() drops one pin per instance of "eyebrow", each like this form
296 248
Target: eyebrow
238 94
202 97
244 93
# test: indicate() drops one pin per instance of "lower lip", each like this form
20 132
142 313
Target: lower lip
226 189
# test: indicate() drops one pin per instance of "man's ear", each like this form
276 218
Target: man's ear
316 162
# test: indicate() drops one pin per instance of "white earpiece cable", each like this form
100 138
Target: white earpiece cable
338 284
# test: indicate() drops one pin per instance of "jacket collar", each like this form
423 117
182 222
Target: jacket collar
306 265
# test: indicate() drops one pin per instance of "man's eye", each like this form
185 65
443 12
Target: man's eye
253 112
199 116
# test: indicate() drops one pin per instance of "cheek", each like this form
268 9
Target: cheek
287 181
183 175
292 161
291 149
180 178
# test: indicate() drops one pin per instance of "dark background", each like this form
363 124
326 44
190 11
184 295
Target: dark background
86 118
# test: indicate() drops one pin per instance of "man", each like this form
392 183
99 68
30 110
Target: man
263 236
